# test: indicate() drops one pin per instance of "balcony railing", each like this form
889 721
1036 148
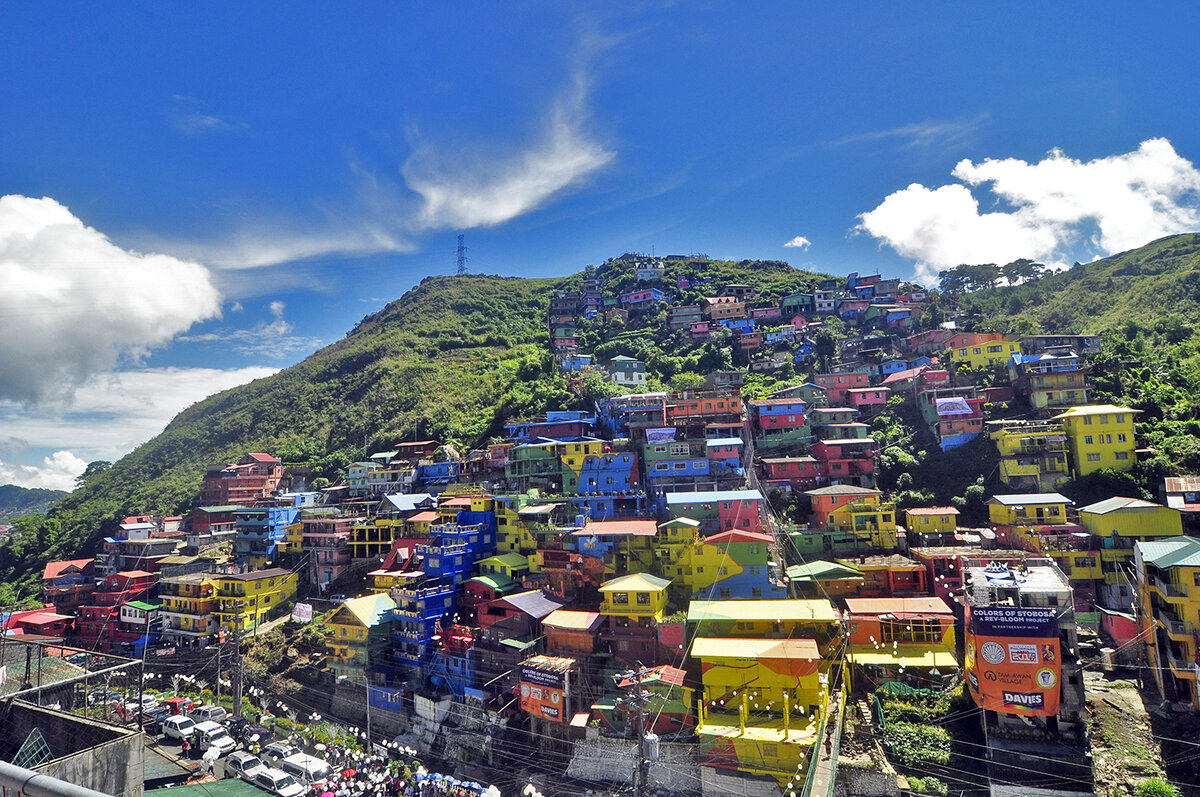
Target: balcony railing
1174 627
1172 592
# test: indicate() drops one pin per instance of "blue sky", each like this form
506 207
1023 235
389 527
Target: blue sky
198 195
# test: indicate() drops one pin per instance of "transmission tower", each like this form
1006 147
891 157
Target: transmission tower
462 255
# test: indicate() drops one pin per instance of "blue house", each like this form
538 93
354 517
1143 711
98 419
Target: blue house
260 533
576 362
437 474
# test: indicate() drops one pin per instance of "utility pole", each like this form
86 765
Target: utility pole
236 674
638 700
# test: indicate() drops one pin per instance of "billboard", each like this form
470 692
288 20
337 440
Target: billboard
1013 662
543 692
660 435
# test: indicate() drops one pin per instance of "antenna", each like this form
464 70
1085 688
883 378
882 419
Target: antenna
462 256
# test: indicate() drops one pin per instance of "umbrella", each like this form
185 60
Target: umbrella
326 794
348 773
320 747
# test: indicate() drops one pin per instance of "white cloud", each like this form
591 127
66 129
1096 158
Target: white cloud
72 303
267 338
492 189
799 242
193 124
1055 207
112 414
943 132
57 472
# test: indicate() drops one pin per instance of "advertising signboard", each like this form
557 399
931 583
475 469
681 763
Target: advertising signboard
1013 663
542 692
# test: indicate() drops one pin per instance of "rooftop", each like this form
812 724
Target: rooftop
751 648
1021 499
1175 552
1116 504
1095 409
573 620
636 582
898 606
784 610
842 489
715 495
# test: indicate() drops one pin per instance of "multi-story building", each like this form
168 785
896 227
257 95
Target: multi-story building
837 385
188 602
1023 671
68 584
633 606
325 543
913 633
360 632
1100 436
1117 524
261 535
1168 601
627 371
1051 380
720 510
242 483
247 600
98 622
763 707
1033 454
857 510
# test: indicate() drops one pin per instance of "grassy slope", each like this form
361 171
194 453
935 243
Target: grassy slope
16 501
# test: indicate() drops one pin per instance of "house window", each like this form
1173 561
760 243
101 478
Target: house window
1087 439
1120 417
756 592
620 598
643 598
699 569
1093 457
1121 437
1122 455
976 350
722 571
725 592
1087 420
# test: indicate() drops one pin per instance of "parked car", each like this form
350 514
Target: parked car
256 734
178 727
152 719
213 713
337 598
244 765
275 752
100 696
215 735
148 702
306 769
278 782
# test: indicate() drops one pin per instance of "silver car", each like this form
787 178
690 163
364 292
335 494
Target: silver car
243 765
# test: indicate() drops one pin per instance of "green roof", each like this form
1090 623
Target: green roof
509 560
225 787
496 582
519 644
1175 552
822 571
143 606
1116 503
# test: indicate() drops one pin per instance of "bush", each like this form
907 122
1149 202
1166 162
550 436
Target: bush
1156 787
929 785
915 745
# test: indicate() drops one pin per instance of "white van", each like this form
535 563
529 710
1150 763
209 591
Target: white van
177 726
208 713
306 769
214 735
278 782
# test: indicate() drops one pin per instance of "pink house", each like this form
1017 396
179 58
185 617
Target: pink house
868 399
699 330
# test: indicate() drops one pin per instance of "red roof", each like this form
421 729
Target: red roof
898 606
56 569
262 458
424 517
738 535
456 502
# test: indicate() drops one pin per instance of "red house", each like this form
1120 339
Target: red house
799 473
838 385
244 482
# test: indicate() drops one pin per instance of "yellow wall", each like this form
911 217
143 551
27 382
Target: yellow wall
928 524
979 356
1051 514
1100 440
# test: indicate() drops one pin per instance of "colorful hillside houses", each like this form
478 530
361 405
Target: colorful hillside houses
1050 380
890 636
720 510
1118 524
627 371
642 298
955 419
858 510
1100 436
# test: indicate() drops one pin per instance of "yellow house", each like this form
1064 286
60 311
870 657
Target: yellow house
187 605
359 630
246 600
932 519
981 350
1168 601
1119 523
510 565
1028 509
1100 436
763 704
638 596
1033 454
869 517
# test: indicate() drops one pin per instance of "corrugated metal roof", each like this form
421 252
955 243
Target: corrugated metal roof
635 582
787 609
898 606
715 495
755 648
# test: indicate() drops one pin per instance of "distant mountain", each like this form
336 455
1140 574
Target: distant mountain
452 359
16 501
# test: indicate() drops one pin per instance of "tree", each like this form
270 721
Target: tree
92 470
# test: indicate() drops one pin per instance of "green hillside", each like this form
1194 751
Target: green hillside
453 359
16 501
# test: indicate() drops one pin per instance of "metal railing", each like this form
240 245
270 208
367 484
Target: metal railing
35 784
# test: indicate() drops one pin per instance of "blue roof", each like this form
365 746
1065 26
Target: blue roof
714 495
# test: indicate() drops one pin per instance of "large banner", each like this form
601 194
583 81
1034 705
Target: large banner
660 435
542 692
1013 660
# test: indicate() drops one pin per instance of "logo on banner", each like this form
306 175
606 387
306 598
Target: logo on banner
1022 654
1046 678
1030 700
992 652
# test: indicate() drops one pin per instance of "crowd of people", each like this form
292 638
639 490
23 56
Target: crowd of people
362 774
